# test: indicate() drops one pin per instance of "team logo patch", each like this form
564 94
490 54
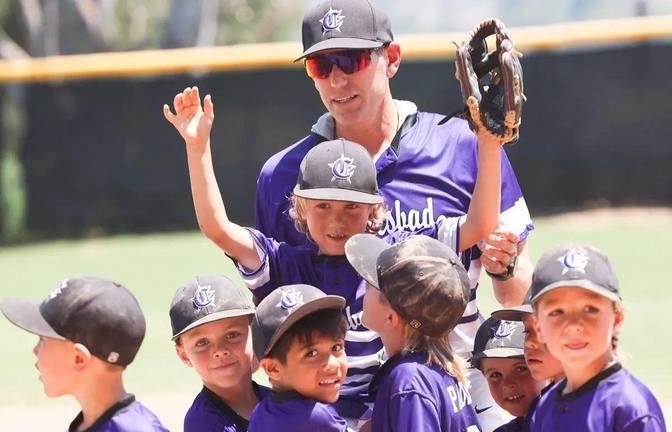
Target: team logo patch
58 289
113 357
290 299
332 21
575 259
505 329
342 168
203 297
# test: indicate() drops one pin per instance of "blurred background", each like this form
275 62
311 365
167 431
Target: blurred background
93 180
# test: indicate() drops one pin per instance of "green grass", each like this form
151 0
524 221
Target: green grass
154 266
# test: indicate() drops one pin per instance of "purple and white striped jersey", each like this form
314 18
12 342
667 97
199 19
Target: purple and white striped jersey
613 400
427 174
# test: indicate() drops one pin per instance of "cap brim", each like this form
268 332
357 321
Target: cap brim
340 43
496 353
580 283
326 302
214 317
362 251
515 313
334 194
26 314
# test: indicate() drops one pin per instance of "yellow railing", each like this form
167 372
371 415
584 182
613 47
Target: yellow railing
281 55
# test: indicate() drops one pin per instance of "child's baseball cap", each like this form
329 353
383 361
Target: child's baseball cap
338 170
283 307
205 299
574 265
422 278
344 24
515 313
498 339
98 313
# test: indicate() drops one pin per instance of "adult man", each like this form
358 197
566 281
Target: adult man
425 171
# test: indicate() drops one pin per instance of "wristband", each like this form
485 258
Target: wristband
508 274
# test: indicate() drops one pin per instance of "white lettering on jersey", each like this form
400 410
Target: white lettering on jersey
354 320
459 396
413 220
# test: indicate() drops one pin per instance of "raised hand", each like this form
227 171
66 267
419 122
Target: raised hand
192 121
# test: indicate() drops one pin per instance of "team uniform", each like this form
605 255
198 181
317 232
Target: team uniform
127 415
411 395
291 412
613 400
210 413
427 174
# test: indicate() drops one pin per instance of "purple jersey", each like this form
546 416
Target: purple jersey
518 424
411 395
613 400
127 415
426 175
209 413
291 412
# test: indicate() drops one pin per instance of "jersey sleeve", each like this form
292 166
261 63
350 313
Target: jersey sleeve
327 420
261 281
411 411
646 423
514 214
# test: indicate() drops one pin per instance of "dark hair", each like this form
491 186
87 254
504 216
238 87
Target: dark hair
327 323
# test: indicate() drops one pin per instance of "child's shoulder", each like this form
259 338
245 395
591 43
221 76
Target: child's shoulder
290 412
412 373
128 415
628 398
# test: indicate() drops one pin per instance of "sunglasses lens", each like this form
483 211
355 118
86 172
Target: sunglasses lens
347 61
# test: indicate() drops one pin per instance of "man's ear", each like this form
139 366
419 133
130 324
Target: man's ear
272 367
182 355
393 52
82 356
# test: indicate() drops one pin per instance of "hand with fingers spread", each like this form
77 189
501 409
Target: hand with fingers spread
499 251
192 120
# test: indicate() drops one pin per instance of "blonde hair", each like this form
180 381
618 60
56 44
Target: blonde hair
438 351
297 214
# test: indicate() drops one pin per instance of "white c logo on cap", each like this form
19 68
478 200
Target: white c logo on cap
342 168
332 20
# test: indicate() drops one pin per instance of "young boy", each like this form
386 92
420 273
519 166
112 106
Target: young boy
298 333
416 293
579 312
498 354
336 197
210 317
90 329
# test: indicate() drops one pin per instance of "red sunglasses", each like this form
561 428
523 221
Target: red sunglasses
349 61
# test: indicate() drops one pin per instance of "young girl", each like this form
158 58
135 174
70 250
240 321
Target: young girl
336 197
416 293
579 312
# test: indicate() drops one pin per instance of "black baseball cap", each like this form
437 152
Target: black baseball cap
205 299
422 278
283 307
574 265
338 170
498 339
515 313
344 24
98 313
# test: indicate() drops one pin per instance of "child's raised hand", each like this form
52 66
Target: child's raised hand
192 121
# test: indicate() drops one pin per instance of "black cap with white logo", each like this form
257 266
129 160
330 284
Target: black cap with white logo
344 24
283 307
98 313
205 299
574 266
498 339
338 170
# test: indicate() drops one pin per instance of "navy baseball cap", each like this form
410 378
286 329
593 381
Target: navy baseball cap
498 339
205 299
98 313
574 265
422 278
344 24
283 307
515 313
338 170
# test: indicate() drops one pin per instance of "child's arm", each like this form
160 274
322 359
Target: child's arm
194 124
483 215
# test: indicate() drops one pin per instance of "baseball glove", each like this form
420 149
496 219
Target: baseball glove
491 82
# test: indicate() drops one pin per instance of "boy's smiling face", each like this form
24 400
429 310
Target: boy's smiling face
511 384
316 369
220 351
